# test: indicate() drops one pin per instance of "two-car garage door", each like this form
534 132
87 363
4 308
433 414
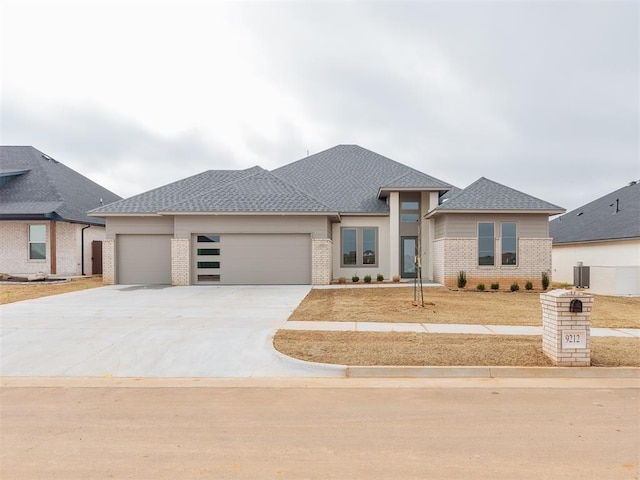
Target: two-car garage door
227 259
253 259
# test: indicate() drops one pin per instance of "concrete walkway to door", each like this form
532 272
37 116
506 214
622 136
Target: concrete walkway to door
153 331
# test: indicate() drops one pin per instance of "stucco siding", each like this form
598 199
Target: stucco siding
186 225
139 225
618 253
466 225
383 267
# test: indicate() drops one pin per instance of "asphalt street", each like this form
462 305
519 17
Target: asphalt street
320 429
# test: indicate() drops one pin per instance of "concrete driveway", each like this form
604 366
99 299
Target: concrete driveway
153 331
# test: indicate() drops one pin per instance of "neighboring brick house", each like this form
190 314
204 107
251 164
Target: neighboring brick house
44 225
340 212
605 236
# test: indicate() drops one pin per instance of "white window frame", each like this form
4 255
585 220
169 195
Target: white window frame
32 242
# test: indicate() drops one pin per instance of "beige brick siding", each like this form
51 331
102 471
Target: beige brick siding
109 262
438 260
180 262
557 320
452 255
14 248
321 261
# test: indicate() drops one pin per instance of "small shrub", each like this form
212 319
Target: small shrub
396 278
480 287
495 286
528 285
367 279
380 277
342 280
515 287
545 280
355 278
462 279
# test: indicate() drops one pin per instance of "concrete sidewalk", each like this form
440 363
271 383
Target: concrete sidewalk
446 328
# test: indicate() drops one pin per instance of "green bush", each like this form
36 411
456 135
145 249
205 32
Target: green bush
528 285
367 279
545 280
495 286
480 287
355 278
380 277
515 287
462 279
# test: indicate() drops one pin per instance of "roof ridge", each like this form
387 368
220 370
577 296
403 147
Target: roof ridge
216 187
41 158
306 194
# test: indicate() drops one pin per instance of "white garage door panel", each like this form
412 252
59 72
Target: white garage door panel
265 259
143 259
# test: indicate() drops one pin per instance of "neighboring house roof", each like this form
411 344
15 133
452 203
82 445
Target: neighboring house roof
351 179
611 217
260 192
485 195
35 186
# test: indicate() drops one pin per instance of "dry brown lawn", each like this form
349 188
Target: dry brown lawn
447 306
10 293
424 349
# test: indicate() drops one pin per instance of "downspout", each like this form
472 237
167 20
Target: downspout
82 246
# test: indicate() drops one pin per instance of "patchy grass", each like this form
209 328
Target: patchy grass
447 306
10 293
423 349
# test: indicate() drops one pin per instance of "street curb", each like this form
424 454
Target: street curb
492 372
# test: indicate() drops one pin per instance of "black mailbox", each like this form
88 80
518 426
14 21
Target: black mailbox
575 306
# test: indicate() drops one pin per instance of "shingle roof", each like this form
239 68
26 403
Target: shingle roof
485 194
261 191
35 185
349 177
599 220
162 198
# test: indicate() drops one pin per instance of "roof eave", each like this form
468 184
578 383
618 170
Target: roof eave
549 212
597 240
384 191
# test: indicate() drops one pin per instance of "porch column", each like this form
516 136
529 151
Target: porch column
108 261
321 261
394 234
180 264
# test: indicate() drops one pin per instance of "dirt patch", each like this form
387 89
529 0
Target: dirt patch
420 349
447 306
10 293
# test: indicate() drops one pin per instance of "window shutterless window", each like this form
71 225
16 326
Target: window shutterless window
486 244
37 242
359 246
509 244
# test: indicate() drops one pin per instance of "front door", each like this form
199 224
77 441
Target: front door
408 256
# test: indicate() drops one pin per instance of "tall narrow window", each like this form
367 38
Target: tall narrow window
509 244
368 246
486 244
409 211
37 242
349 246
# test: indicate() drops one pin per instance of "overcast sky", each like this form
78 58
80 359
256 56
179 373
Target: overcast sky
542 96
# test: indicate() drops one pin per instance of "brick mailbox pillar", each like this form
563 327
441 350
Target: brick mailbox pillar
566 327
